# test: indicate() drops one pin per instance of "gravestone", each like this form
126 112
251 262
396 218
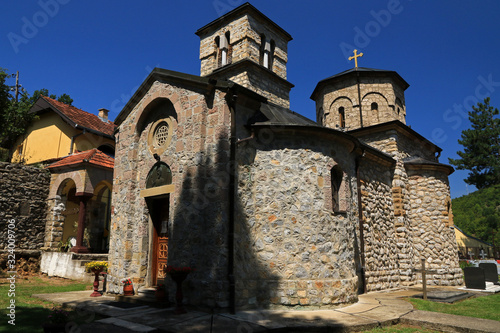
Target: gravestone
490 272
474 278
445 296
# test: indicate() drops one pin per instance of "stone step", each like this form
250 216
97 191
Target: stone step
145 296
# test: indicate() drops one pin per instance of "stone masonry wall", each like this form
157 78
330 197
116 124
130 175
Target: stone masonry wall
245 40
433 239
345 94
292 249
430 199
197 225
263 84
388 247
23 194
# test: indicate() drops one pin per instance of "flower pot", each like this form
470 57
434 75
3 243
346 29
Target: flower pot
128 290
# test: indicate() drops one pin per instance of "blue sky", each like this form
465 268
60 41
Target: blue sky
98 52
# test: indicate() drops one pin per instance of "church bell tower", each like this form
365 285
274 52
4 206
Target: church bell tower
246 47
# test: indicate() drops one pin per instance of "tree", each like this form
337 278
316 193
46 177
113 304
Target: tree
15 116
481 155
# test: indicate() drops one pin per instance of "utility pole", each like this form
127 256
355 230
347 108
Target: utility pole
17 88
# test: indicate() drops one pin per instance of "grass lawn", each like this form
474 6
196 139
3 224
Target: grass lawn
32 312
486 307
400 328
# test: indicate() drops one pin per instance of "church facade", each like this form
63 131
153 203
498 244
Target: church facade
272 209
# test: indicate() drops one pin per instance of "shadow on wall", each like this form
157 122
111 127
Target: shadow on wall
199 233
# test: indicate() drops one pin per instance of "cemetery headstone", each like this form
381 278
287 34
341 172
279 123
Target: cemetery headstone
474 278
490 272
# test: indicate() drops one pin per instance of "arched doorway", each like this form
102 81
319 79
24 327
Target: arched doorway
71 203
157 196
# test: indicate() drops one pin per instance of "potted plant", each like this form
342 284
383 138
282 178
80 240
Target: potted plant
178 274
128 288
57 321
96 267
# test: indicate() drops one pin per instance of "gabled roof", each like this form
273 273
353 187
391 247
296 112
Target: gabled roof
75 117
92 156
362 72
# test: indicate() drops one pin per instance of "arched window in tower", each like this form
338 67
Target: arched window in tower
338 186
262 49
224 49
374 106
267 49
341 117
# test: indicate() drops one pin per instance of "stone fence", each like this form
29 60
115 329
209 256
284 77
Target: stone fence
23 194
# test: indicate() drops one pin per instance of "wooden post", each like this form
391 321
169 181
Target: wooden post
424 280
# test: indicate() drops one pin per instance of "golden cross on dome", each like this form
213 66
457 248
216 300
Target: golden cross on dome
355 57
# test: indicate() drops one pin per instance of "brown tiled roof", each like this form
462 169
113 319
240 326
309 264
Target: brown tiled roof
92 156
84 119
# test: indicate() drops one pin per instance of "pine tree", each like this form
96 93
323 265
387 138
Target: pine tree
481 154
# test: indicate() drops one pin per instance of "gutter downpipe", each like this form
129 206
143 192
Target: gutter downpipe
73 140
360 217
231 100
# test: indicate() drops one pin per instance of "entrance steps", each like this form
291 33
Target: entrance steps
146 296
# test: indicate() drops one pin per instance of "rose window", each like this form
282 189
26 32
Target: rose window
160 135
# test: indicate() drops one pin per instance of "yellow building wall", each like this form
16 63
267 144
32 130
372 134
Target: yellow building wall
89 141
46 138
50 137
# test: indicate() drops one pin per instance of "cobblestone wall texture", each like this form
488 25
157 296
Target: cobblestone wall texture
293 250
421 210
23 194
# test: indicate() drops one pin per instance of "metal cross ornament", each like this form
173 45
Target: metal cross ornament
355 57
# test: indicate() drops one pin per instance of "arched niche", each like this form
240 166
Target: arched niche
158 181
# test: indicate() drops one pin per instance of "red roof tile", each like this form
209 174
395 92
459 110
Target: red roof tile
82 118
92 156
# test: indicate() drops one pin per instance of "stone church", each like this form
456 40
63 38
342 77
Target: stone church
270 208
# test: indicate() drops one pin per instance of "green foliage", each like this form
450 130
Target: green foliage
465 263
14 115
478 214
481 155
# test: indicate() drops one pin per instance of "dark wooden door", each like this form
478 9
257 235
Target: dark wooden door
159 215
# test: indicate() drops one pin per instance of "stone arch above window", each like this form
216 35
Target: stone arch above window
158 108
339 113
375 107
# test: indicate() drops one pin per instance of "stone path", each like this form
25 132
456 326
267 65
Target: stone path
373 310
